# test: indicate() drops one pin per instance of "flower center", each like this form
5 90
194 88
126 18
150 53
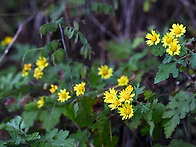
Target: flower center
169 40
80 88
177 30
127 111
64 95
42 62
126 96
173 48
153 38
116 103
110 96
105 72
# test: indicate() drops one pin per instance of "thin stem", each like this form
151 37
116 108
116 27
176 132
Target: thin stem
67 58
52 111
24 133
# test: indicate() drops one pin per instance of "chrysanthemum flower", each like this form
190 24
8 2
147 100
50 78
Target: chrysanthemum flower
105 72
6 41
126 96
79 88
126 111
115 103
53 88
41 63
38 73
40 103
110 95
174 49
168 39
153 38
63 95
123 80
178 30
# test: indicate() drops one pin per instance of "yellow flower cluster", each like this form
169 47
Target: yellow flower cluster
41 64
26 68
121 101
170 40
6 41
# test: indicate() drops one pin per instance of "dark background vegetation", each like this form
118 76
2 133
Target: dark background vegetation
133 18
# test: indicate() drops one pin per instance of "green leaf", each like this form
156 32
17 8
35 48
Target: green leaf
50 119
58 56
50 47
148 95
56 138
167 59
138 90
192 61
177 109
34 136
29 117
158 50
165 70
81 137
46 28
180 143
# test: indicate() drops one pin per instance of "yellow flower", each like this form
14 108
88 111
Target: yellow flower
129 88
178 30
105 72
174 49
38 73
27 66
109 95
153 38
40 103
41 63
24 73
63 95
125 96
79 88
123 80
126 111
7 40
168 39
53 88
115 103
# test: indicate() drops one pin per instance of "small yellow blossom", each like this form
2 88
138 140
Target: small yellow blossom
105 72
174 49
126 111
79 88
115 103
24 73
123 80
63 95
27 67
153 38
41 63
178 30
125 96
109 95
38 73
40 103
129 88
53 88
7 40
168 39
